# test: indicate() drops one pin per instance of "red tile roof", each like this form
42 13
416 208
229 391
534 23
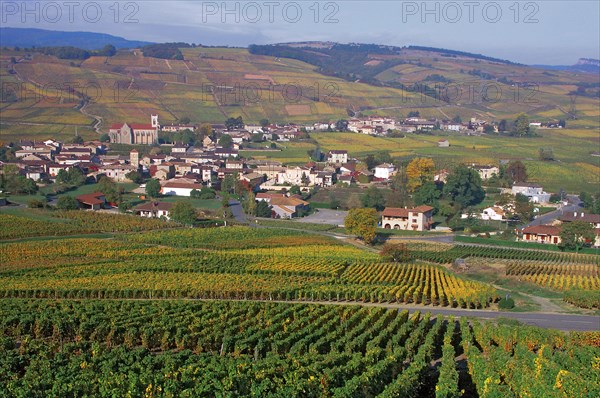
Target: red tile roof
542 230
151 206
395 212
91 198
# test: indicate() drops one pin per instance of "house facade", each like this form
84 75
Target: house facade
337 157
417 219
534 192
541 234
154 210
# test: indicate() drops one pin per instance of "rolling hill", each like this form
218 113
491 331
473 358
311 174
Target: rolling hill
47 97
29 37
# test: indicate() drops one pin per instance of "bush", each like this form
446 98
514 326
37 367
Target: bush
36 204
506 303
67 203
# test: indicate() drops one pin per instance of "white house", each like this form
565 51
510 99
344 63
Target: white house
337 157
179 188
534 192
384 170
154 210
495 213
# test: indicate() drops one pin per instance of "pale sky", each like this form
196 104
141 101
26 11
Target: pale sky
531 32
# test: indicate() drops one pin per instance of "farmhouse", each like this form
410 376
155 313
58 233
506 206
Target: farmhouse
117 172
154 210
485 172
179 187
384 171
93 201
417 219
287 207
337 157
534 192
541 234
495 213
571 216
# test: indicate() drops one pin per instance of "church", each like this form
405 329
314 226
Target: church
135 133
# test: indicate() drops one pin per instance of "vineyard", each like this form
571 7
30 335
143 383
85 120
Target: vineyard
576 275
443 253
134 267
169 348
62 223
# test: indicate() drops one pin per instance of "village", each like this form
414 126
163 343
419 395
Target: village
214 168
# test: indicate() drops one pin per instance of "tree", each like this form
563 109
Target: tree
373 198
67 203
184 213
153 188
428 194
463 187
205 130
295 190
207 193
134 176
362 223
105 138
316 154
502 125
334 202
414 114
575 235
263 209
249 204
305 180
457 119
395 253
516 172
546 154
73 176
341 125
521 125
228 184
184 120
488 129
112 192
194 193
522 208
399 185
234 123
419 171
562 123
226 141
264 122
258 137
370 161
107 51
14 182
77 140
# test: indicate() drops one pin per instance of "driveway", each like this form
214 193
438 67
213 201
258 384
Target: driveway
325 216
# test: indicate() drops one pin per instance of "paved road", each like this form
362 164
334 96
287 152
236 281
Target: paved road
238 211
574 205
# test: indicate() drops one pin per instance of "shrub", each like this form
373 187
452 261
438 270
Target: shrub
506 303
36 204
